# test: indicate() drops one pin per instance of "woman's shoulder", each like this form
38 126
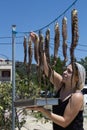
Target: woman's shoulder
77 95
76 101
77 98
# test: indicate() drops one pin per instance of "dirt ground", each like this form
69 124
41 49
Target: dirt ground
33 124
85 123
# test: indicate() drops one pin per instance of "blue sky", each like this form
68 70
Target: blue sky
31 15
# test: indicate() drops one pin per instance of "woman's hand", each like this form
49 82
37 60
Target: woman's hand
34 37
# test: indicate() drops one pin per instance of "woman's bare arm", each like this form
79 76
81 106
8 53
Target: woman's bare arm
55 78
71 111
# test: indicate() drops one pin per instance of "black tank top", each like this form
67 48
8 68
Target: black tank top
76 124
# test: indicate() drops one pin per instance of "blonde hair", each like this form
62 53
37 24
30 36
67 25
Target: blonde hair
81 75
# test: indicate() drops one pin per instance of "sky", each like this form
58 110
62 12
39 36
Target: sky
32 15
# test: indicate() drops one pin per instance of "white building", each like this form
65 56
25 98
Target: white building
5 70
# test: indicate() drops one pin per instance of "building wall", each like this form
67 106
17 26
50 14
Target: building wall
5 70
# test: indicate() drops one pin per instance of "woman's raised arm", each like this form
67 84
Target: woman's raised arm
55 78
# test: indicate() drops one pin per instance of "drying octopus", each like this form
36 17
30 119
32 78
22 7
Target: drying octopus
30 54
47 42
56 42
75 35
25 50
64 35
47 52
41 48
36 47
40 68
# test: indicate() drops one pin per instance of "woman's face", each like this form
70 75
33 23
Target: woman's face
67 74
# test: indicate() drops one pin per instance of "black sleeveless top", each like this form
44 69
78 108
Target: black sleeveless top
76 124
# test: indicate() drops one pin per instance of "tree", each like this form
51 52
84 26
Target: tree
26 87
5 106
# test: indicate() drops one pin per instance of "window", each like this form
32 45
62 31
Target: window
6 73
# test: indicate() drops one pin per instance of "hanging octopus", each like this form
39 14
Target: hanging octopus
41 43
40 67
75 35
56 42
36 47
47 40
30 54
25 50
47 52
64 35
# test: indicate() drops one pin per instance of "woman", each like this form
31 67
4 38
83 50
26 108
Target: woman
68 115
